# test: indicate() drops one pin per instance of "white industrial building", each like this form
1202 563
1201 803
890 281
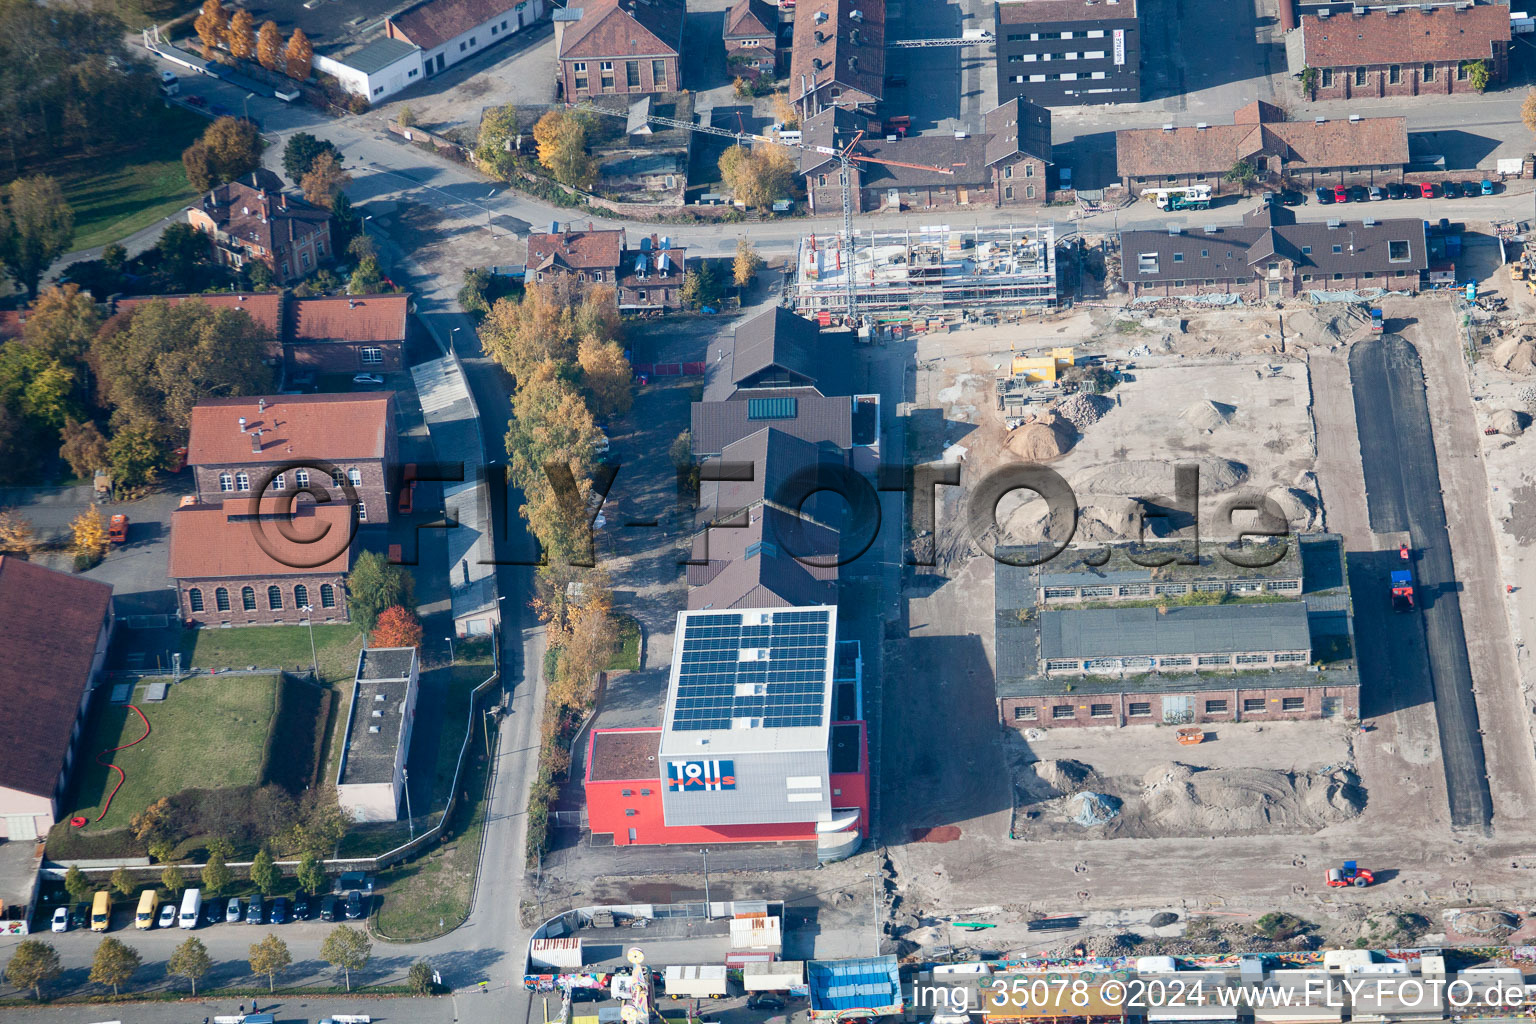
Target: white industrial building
376 71
371 780
449 31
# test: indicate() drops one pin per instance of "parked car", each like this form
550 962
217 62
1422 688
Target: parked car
1396 191
1486 188
1427 189
301 909
256 913
212 912
328 908
1358 194
80 915
232 913
194 101
167 915
61 919
1291 197
367 378
1451 190
765 1001
1340 194
1324 195
280 911
1376 194
354 905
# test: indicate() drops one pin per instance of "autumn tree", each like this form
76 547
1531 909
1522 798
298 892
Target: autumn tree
562 140
36 228
77 885
747 263
241 34
269 46
1528 110
553 427
758 177
16 536
173 880
234 147
89 532
297 58
197 164
367 277
212 26
190 960
114 963
311 874
546 324
122 880
607 376
269 956
216 875
264 872
784 111
373 585
33 963
397 627
348 949
324 181
498 128
301 151
419 978
62 323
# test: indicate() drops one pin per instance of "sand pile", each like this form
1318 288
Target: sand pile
1515 355
1298 507
1064 775
1145 478
1088 809
1333 323
1108 518
1219 801
1507 422
1038 442
1206 415
1083 411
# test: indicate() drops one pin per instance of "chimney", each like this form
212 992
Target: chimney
256 441
261 405
282 200
351 304
242 424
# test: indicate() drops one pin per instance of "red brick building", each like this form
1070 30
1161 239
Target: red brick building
573 258
266 308
347 333
752 38
837 56
339 445
1401 51
252 218
622 47
651 277
246 562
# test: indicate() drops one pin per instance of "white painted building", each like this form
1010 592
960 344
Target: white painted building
371 780
376 71
449 31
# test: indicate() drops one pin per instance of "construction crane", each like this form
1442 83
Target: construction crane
844 156
972 37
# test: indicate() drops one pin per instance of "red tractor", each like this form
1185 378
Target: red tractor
1349 874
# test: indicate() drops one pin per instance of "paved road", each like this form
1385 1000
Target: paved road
1402 486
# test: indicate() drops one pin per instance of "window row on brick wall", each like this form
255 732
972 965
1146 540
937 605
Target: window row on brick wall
273 596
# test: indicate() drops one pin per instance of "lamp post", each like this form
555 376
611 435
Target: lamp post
309 618
450 649
707 915
247 104
410 819
874 908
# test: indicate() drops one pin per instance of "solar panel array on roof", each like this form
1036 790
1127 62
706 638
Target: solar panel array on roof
772 408
768 674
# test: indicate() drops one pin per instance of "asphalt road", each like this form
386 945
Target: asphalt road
1402 486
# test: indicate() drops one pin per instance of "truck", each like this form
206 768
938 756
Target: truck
1188 197
1402 583
117 529
1378 323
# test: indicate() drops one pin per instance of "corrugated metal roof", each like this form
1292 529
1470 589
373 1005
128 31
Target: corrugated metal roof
863 983
1146 631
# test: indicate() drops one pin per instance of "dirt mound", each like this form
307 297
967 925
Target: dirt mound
1515 355
1064 776
1206 415
1083 411
1333 323
1488 924
1507 422
1219 801
1110 518
1143 478
1038 442
1296 505
1089 809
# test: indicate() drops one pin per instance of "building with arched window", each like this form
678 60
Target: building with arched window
256 562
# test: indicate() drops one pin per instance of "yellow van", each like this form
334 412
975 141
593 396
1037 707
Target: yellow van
149 906
101 911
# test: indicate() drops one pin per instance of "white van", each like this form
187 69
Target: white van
191 907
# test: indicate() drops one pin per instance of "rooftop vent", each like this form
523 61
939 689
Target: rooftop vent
261 405
1211 229
853 64
1167 127
1320 120
856 14
256 441
242 424
821 17
821 37
1322 15
373 729
378 698
1333 224
1370 222
1353 118
378 714
1174 231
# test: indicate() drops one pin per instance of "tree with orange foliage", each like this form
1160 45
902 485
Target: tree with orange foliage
397 627
269 46
211 26
241 34
299 55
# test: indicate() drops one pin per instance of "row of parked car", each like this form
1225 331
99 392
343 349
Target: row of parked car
1422 190
194 911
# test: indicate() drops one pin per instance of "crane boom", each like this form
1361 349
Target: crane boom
912 44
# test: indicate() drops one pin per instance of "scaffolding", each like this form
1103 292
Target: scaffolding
932 270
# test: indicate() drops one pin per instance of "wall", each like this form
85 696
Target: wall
1300 177
14 803
378 85
594 76
374 491
1378 79
1113 709
262 615
341 357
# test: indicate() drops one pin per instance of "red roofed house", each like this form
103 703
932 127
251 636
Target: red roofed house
752 37
266 308
247 562
651 277
1400 51
622 47
348 333
449 31
252 218
574 258
269 447
57 628
838 55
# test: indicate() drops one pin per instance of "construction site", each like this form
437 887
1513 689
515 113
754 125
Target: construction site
899 276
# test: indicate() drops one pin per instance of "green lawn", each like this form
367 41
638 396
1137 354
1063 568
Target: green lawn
208 733
628 654
115 194
336 647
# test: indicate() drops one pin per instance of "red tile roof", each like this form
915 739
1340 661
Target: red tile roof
1154 152
752 19
266 308
51 622
850 50
219 541
1413 36
331 427
625 28
434 22
579 250
1029 12
358 318
255 211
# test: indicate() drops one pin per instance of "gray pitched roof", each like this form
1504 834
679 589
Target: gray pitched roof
378 55
969 160
1018 126
775 560
777 349
814 418
775 457
1148 631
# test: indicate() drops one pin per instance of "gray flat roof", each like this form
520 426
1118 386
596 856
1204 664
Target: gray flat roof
379 695
1146 631
377 55
386 663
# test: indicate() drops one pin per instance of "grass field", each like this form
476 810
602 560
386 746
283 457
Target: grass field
209 733
628 654
275 647
115 194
